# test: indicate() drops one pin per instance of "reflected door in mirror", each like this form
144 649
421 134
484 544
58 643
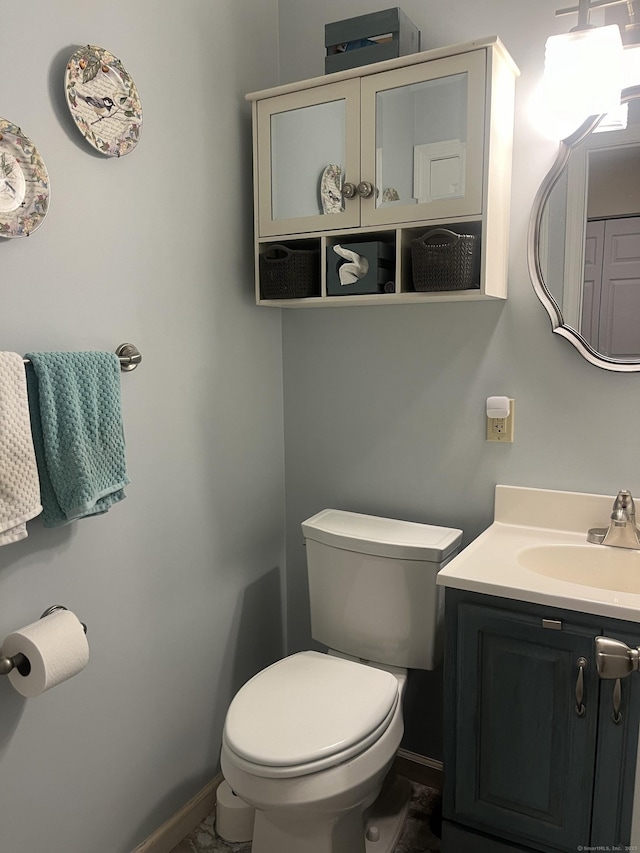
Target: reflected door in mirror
611 295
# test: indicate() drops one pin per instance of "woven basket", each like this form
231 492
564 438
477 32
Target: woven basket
289 273
444 260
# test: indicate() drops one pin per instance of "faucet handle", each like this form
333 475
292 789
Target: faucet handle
622 531
624 502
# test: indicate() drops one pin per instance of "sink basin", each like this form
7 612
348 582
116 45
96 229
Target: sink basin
536 551
597 566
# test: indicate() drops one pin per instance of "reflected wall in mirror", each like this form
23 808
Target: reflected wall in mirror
584 239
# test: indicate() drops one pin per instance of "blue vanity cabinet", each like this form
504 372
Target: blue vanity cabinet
533 759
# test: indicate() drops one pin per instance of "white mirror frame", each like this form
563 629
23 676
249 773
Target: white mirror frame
534 247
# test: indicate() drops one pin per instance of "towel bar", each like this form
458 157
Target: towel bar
19 661
129 355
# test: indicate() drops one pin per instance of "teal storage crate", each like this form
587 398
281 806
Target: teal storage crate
379 278
369 38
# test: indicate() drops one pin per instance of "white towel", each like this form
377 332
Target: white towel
19 484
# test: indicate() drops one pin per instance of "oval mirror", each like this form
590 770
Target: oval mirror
584 238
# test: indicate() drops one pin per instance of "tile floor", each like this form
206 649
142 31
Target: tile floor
417 836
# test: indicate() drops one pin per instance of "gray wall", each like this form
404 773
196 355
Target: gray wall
384 406
180 583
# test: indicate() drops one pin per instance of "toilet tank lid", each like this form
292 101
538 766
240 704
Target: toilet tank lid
383 537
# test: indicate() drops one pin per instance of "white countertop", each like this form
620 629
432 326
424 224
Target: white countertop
526 518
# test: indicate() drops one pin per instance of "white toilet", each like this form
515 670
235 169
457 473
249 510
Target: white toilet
309 741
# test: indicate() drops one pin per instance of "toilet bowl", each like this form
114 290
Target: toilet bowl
308 743
310 740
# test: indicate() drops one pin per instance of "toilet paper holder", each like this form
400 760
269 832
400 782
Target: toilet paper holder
19 661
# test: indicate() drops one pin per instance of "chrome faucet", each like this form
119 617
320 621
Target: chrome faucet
622 531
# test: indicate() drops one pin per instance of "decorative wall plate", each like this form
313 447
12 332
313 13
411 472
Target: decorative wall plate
103 101
24 183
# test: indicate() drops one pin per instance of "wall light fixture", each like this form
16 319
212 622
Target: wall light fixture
583 68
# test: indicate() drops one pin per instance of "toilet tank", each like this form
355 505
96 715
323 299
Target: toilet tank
372 586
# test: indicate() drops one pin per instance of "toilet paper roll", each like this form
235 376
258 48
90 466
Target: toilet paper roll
56 648
234 817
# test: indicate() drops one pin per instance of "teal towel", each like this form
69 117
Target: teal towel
76 422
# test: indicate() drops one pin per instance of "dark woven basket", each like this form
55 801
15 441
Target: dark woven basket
444 260
289 273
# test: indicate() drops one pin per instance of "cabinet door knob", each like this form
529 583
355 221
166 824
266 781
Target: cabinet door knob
366 189
349 190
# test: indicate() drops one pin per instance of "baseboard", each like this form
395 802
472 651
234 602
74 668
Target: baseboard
419 768
174 830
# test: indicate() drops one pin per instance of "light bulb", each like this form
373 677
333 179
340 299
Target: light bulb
583 72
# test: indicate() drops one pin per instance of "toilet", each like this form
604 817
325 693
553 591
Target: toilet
309 741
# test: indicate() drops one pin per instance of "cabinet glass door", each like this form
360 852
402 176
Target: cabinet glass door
308 147
422 140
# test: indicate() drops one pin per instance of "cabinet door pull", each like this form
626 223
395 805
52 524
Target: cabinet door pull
616 716
580 708
349 190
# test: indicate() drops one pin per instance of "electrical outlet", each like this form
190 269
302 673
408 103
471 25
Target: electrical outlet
501 429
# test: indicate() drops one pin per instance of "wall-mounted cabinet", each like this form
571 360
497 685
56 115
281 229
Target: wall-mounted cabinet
385 153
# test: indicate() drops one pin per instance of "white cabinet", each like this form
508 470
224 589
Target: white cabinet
382 154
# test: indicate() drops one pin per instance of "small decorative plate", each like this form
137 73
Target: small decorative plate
103 101
24 183
331 189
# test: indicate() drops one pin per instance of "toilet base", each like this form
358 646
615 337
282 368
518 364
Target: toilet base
385 819
375 831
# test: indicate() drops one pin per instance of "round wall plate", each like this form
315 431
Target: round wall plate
103 101
24 183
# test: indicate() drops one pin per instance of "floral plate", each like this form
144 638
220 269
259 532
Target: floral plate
24 183
331 189
103 101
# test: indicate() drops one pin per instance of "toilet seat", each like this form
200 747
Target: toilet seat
308 712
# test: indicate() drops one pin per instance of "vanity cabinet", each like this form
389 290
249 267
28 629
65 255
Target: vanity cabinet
534 759
383 154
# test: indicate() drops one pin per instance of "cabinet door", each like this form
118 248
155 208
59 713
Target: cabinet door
300 136
423 140
617 750
524 756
